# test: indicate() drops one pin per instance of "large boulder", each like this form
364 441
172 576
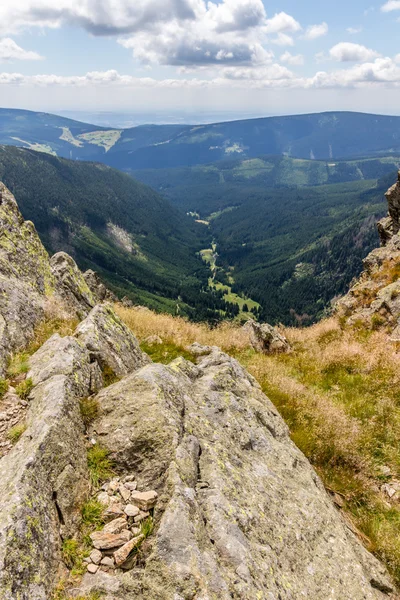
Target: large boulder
265 338
241 513
110 342
44 479
71 285
25 278
390 225
97 287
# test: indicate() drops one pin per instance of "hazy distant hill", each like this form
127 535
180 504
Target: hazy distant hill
331 135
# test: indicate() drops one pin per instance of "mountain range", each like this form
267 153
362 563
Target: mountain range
255 231
331 135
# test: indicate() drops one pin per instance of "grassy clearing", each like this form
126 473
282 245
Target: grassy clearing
338 391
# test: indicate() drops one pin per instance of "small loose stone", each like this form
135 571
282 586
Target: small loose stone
144 500
95 556
131 510
141 516
92 568
131 485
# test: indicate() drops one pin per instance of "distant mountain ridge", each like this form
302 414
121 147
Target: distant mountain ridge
323 136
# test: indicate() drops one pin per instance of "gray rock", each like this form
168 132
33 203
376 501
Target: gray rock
390 225
95 285
265 338
71 285
92 568
25 278
241 513
95 556
110 342
44 479
131 510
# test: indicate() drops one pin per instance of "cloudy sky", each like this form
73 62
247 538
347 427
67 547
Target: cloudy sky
245 56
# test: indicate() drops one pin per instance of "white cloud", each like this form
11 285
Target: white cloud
10 51
233 32
316 31
282 22
292 59
182 33
100 17
382 73
282 39
349 52
391 5
354 30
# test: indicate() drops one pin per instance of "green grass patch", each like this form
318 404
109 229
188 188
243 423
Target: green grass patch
167 352
99 464
89 408
24 389
16 432
4 385
19 364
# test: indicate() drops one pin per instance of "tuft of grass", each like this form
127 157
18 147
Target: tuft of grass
19 364
377 321
4 385
24 389
16 432
166 352
109 377
147 527
89 408
99 464
92 514
73 556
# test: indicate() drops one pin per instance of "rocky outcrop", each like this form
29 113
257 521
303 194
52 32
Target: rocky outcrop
97 287
374 298
390 225
110 342
25 278
44 479
241 513
71 285
265 338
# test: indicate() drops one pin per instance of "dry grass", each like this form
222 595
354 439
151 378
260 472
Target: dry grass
180 332
339 393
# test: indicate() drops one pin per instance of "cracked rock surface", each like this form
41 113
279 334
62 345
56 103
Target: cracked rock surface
241 513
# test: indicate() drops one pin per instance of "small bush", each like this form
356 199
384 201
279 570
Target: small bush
4 385
15 432
99 464
24 388
90 409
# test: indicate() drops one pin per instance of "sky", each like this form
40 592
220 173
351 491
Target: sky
232 57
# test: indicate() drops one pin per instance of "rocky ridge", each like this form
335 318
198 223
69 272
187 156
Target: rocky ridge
374 298
237 510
